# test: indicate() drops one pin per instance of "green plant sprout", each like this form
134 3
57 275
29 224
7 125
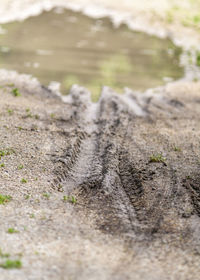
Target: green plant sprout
20 167
23 181
12 230
16 92
47 195
5 198
157 158
11 264
71 199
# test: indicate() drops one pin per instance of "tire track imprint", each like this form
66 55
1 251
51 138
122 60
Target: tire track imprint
99 164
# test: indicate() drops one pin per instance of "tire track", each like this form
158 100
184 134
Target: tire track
99 165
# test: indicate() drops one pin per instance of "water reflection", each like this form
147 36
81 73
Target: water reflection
71 48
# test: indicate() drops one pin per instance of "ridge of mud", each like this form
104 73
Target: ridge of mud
104 165
192 184
104 157
147 212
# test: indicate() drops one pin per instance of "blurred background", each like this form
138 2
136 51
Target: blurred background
135 44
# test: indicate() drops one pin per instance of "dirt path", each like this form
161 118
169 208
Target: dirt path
131 162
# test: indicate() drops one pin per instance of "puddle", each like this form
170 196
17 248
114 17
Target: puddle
70 48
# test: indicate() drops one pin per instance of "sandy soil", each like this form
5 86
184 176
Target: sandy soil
137 212
107 190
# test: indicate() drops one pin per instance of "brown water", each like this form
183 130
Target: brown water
71 48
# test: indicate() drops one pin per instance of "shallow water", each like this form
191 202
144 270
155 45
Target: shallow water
69 48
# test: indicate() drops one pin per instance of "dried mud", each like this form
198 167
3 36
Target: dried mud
101 153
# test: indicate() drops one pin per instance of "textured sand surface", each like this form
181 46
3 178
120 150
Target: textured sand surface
134 219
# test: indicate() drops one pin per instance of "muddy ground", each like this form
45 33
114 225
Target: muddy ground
100 191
